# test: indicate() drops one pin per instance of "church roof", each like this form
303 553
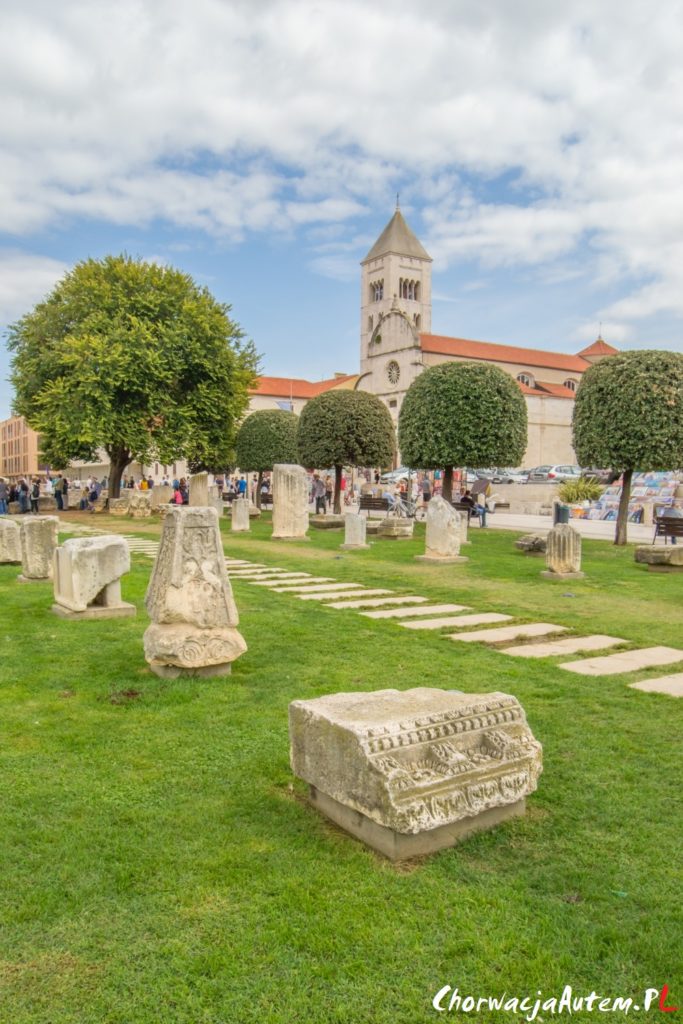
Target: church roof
463 348
295 387
598 348
397 237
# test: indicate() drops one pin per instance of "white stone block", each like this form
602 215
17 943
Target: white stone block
240 515
87 578
38 543
10 541
199 490
442 538
290 502
355 527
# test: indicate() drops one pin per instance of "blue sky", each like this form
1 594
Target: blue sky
259 146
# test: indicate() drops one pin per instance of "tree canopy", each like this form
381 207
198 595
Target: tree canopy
264 438
134 358
345 428
462 414
628 415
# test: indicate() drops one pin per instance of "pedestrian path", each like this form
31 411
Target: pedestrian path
413 611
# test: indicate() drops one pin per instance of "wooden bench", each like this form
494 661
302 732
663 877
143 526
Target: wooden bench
668 526
370 504
461 506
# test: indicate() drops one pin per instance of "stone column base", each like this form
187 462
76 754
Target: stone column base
354 547
548 575
96 611
273 537
441 561
33 579
400 846
176 672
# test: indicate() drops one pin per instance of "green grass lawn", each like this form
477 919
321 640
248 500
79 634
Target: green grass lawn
159 864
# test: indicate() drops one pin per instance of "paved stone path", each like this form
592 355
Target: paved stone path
672 686
457 621
625 661
340 594
571 645
497 636
405 599
427 609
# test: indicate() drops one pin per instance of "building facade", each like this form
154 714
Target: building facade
18 449
396 345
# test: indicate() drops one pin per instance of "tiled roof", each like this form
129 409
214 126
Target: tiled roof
286 387
598 348
487 350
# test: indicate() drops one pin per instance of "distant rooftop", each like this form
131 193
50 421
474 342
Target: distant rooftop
398 238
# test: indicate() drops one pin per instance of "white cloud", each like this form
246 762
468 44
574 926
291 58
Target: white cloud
235 117
25 278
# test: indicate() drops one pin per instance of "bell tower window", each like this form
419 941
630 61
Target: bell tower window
377 291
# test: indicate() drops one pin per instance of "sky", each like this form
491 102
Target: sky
258 145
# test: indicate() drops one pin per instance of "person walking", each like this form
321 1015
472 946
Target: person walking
57 491
4 495
318 494
23 496
65 493
35 495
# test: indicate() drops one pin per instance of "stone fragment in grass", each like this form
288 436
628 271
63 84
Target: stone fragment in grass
38 544
290 502
87 578
10 542
189 599
563 554
442 537
412 772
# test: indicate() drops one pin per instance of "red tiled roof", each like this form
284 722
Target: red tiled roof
286 387
599 348
487 350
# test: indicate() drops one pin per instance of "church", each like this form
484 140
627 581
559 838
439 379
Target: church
397 344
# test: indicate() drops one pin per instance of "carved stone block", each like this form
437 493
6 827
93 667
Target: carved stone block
396 528
563 554
162 494
532 544
354 533
189 599
412 772
442 539
119 506
87 578
140 504
199 490
10 541
38 543
290 502
240 515
668 558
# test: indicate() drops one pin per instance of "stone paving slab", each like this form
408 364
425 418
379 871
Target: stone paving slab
672 686
317 588
278 576
405 613
238 561
255 567
372 603
340 594
625 661
496 636
278 581
570 645
459 620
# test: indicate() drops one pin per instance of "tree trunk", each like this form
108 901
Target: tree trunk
337 489
119 459
622 517
447 488
258 489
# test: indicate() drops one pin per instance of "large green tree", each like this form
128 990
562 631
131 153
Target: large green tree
134 358
345 428
264 438
628 415
462 414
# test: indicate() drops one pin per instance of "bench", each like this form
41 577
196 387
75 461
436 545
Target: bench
462 507
370 504
668 527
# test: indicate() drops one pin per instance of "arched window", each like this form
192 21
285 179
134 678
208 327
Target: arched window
417 291
417 320
376 291
571 384
370 323
526 378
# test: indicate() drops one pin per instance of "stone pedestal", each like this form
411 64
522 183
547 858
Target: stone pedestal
354 533
240 515
411 772
189 599
162 494
442 541
38 543
199 490
140 504
10 542
668 558
329 521
290 502
87 578
119 506
396 528
563 554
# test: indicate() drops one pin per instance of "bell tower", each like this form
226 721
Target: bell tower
396 275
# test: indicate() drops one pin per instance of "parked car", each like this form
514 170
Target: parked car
602 476
554 474
510 476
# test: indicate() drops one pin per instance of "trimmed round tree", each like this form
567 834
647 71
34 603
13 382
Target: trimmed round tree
628 416
345 428
462 414
264 438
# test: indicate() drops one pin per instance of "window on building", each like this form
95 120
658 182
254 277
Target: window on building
377 291
393 403
526 378
570 383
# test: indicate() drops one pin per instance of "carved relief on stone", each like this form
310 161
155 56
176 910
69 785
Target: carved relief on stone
189 599
140 504
417 760
563 553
